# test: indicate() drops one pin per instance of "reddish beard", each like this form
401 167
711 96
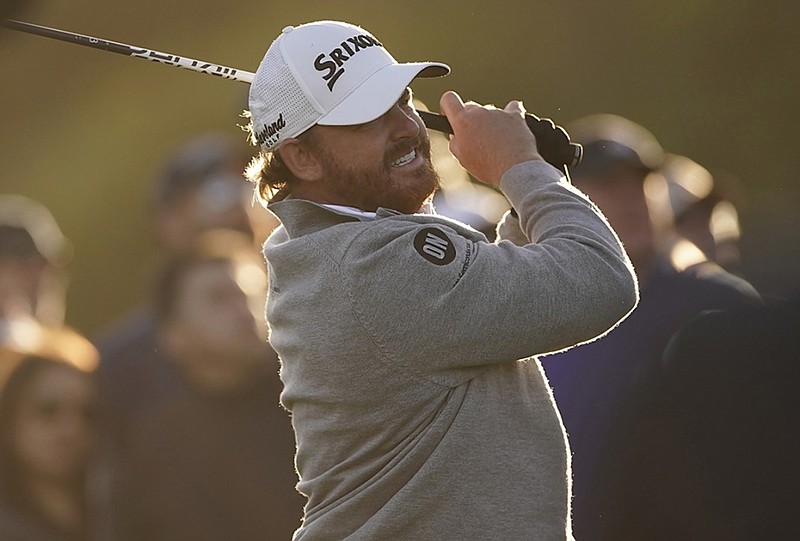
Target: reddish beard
371 188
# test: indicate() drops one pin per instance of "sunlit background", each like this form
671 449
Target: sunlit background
85 131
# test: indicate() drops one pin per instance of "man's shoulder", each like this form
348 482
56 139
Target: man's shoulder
401 225
340 238
436 238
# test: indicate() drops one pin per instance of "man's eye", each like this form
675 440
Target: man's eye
405 99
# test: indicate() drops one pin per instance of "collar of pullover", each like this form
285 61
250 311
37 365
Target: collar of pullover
300 217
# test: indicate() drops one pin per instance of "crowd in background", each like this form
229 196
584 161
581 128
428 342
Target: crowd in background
167 424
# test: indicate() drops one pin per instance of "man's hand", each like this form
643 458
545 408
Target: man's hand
488 141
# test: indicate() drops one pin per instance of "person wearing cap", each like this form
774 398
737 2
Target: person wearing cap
702 211
200 189
407 340
628 459
33 257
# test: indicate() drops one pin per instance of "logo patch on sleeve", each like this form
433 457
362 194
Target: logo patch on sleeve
435 246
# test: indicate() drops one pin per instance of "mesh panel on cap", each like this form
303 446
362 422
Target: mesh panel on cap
275 98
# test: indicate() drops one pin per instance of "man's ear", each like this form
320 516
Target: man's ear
301 161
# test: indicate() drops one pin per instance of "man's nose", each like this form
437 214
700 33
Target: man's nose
403 123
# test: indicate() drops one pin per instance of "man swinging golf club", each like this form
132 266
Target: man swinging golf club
407 340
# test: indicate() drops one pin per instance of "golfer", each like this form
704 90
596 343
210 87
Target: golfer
407 340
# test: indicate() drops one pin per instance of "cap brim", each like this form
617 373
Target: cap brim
379 92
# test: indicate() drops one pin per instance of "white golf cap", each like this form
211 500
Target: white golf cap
329 73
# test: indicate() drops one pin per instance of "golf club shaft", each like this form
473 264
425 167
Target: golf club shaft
564 153
131 50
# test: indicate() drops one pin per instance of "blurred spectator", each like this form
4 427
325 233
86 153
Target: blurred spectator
216 460
734 374
47 403
608 391
33 256
200 188
701 211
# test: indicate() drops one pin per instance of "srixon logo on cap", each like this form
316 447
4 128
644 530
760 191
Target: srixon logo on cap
332 63
270 133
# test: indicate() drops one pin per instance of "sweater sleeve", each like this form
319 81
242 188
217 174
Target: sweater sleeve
445 299
509 229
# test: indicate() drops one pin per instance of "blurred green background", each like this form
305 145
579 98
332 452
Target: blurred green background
85 131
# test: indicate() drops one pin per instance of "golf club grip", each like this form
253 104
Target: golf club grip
553 142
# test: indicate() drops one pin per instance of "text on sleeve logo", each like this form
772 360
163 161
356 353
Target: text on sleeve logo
435 246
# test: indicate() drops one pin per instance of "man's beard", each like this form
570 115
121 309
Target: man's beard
370 188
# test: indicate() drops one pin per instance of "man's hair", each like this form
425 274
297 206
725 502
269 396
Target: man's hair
267 171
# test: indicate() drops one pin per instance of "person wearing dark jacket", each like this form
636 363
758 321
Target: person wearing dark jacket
214 459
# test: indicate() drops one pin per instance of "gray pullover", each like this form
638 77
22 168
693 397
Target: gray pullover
407 347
